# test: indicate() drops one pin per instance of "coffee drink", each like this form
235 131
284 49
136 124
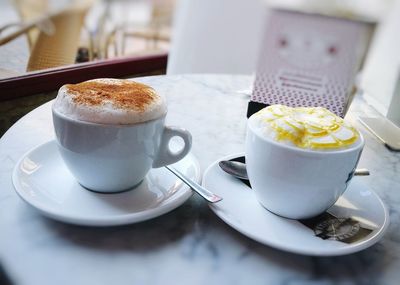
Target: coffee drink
300 160
110 101
111 132
313 128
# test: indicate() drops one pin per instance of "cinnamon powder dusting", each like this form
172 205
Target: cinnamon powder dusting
123 94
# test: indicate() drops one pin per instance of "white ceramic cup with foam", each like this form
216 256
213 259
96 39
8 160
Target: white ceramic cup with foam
115 157
297 183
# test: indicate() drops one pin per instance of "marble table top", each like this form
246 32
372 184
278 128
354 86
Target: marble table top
189 245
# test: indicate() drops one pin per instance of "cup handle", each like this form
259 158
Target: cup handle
165 155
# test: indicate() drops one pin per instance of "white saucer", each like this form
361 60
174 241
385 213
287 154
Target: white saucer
241 210
44 182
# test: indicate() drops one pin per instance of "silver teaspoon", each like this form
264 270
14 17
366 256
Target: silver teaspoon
238 169
203 192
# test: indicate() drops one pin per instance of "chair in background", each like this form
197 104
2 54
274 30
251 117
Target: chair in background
30 10
53 36
61 47
216 36
156 31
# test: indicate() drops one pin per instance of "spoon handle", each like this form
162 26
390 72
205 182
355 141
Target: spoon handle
361 172
209 196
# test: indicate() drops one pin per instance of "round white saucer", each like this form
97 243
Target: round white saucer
241 210
44 182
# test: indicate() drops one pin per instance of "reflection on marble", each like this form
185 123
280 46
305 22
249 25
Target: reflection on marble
189 245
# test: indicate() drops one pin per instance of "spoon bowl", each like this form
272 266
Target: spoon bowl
234 168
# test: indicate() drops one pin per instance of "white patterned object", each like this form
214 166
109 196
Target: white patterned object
310 60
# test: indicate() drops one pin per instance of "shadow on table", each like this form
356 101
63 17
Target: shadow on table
139 237
196 220
4 280
364 267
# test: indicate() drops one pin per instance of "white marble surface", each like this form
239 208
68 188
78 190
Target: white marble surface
190 245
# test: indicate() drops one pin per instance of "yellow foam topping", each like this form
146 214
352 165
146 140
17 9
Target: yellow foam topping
311 128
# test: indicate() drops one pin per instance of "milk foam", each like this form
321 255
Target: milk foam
313 128
106 110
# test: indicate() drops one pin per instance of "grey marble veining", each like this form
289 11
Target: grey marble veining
189 245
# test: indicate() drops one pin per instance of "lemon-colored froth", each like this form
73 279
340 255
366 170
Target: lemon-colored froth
311 127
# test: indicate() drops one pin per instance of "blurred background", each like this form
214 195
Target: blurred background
38 37
42 34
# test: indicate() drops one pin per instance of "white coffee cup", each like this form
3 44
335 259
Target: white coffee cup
298 183
111 158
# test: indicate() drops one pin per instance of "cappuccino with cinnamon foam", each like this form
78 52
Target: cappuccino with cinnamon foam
110 101
313 128
111 132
